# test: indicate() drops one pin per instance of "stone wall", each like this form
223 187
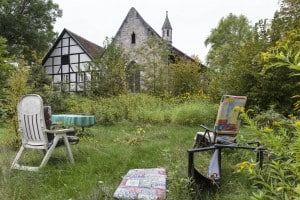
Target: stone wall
132 24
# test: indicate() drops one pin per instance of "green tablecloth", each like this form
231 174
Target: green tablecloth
72 119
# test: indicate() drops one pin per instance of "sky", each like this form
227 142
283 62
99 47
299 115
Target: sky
192 20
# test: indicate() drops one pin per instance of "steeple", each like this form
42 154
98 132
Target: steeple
167 29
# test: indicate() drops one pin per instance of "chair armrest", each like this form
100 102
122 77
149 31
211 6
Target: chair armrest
206 138
59 131
195 150
56 125
206 128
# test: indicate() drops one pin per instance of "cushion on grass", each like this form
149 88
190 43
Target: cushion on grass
143 184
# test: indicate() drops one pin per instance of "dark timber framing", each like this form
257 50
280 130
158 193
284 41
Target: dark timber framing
68 62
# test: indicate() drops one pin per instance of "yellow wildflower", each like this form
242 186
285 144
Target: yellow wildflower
265 56
251 167
297 124
268 130
246 166
242 165
237 108
277 123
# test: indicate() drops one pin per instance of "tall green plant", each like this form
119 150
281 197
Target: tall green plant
280 177
5 68
155 54
109 76
39 80
185 77
284 57
17 87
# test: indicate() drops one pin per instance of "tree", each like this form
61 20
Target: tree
281 68
39 79
286 19
185 77
28 26
155 54
5 67
231 33
226 41
278 61
17 87
109 71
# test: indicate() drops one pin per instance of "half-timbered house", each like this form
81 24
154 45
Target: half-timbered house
68 62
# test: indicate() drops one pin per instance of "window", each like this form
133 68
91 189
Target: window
167 33
133 77
80 77
66 78
133 38
65 59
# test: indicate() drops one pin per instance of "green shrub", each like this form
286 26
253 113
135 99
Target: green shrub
196 113
55 99
273 119
149 109
79 104
136 108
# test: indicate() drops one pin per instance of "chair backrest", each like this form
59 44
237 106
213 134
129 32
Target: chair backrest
32 122
47 115
228 121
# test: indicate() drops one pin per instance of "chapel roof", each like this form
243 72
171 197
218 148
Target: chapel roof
167 24
146 25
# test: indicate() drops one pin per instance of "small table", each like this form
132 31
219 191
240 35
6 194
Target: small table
74 119
143 184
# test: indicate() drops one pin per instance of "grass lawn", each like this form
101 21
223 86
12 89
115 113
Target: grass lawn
106 153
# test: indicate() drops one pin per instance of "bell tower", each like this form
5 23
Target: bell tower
167 29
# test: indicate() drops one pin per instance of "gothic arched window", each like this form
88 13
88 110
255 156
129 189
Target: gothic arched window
133 38
133 77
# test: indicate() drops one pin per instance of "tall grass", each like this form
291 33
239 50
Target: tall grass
105 155
145 108
143 132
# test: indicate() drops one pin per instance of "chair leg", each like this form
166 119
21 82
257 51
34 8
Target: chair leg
69 151
49 151
214 171
15 164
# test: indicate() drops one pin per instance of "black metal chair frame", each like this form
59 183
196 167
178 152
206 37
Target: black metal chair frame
214 172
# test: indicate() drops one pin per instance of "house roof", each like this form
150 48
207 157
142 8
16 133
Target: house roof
90 48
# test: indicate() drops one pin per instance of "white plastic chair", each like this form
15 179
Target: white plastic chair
33 131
